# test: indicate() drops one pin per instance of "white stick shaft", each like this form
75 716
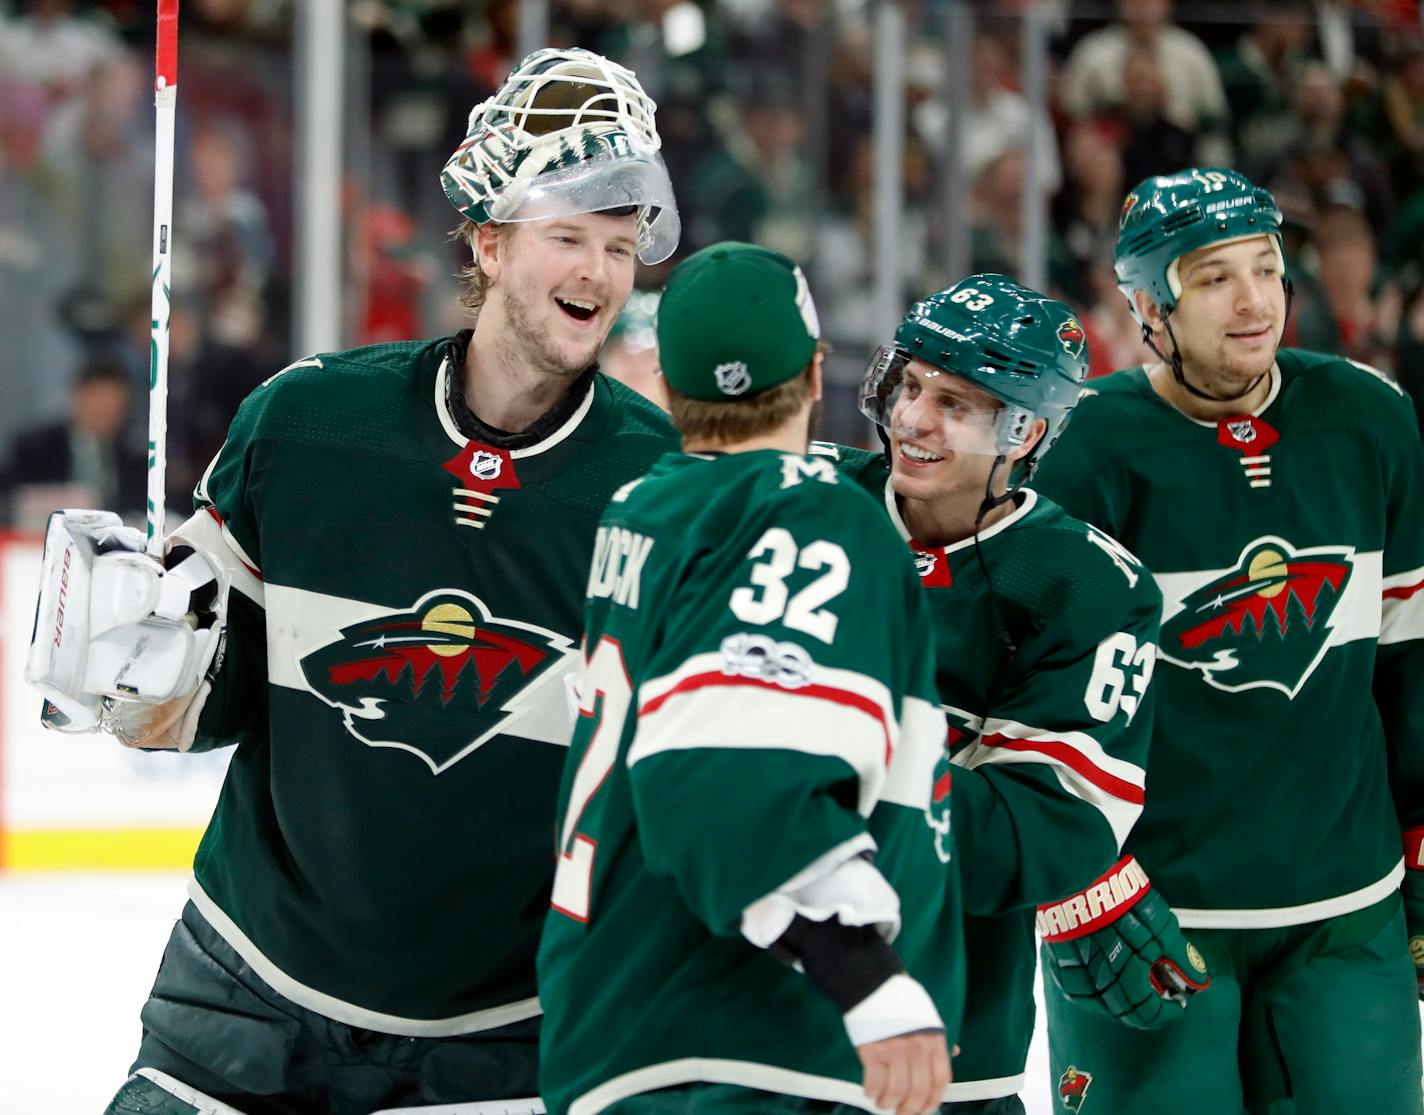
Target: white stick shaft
167 104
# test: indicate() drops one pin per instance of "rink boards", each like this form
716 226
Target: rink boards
84 802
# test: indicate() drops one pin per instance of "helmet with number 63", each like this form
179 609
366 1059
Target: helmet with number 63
568 132
1168 217
1026 350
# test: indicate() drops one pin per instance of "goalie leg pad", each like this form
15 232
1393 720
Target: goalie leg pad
150 1092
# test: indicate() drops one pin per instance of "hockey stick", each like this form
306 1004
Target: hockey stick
165 99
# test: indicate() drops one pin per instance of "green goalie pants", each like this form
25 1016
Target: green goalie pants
1315 1019
214 1024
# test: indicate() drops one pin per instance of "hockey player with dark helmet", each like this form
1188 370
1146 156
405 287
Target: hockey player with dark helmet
1048 756
1027 353
1274 494
1169 218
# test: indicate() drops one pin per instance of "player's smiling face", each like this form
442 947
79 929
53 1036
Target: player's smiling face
562 283
941 435
1230 315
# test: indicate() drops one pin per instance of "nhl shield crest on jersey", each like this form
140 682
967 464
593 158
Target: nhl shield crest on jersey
437 680
1266 623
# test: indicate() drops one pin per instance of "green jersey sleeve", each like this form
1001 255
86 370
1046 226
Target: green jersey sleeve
227 503
1054 780
766 723
1088 485
1399 662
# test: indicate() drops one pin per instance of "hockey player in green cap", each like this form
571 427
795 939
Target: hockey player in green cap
756 905
1276 495
392 548
1046 632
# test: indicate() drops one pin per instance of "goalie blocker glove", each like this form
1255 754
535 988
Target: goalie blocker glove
1115 948
121 642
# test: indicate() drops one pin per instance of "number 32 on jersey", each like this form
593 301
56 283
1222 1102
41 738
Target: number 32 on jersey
606 691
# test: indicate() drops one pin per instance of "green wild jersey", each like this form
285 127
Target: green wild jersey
1289 547
757 697
407 608
1051 737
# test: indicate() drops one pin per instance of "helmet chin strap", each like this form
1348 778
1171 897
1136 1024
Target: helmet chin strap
1175 361
988 504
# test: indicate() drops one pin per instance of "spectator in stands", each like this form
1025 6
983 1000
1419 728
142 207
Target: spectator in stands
1259 74
52 47
1092 79
1355 316
1319 151
996 119
224 257
1086 210
99 144
87 451
1403 97
1152 142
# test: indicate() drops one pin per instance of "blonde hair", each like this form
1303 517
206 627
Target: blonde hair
474 283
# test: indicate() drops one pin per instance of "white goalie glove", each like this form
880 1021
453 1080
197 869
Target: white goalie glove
121 642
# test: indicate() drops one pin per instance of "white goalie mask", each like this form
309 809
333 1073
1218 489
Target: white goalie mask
568 132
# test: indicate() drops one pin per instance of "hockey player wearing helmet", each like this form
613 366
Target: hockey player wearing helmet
1045 635
392 547
1275 495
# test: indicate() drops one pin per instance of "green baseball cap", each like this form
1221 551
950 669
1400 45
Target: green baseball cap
734 321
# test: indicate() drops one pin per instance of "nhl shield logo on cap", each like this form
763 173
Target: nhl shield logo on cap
732 378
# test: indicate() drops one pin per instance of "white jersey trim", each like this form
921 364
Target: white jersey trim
452 431
923 739
992 1089
1276 380
700 1070
1084 769
1402 607
349 1013
207 532
1293 915
765 719
1030 497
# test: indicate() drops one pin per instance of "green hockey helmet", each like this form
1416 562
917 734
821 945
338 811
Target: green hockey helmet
568 132
1167 217
1028 351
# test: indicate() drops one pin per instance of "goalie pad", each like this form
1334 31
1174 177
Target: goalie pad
150 1092
117 633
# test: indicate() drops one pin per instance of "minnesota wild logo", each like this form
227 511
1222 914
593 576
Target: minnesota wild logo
1266 623
436 680
937 815
1073 1087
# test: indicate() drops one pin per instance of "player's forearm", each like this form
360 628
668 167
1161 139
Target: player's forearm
1024 840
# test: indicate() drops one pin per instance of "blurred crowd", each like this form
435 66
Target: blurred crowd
765 109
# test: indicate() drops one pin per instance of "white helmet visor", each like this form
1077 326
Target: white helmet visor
637 180
934 410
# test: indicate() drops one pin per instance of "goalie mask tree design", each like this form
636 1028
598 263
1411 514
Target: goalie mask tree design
568 132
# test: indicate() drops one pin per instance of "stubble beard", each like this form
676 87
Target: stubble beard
537 350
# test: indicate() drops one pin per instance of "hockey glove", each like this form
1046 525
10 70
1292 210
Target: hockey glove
121 642
1115 949
1413 890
